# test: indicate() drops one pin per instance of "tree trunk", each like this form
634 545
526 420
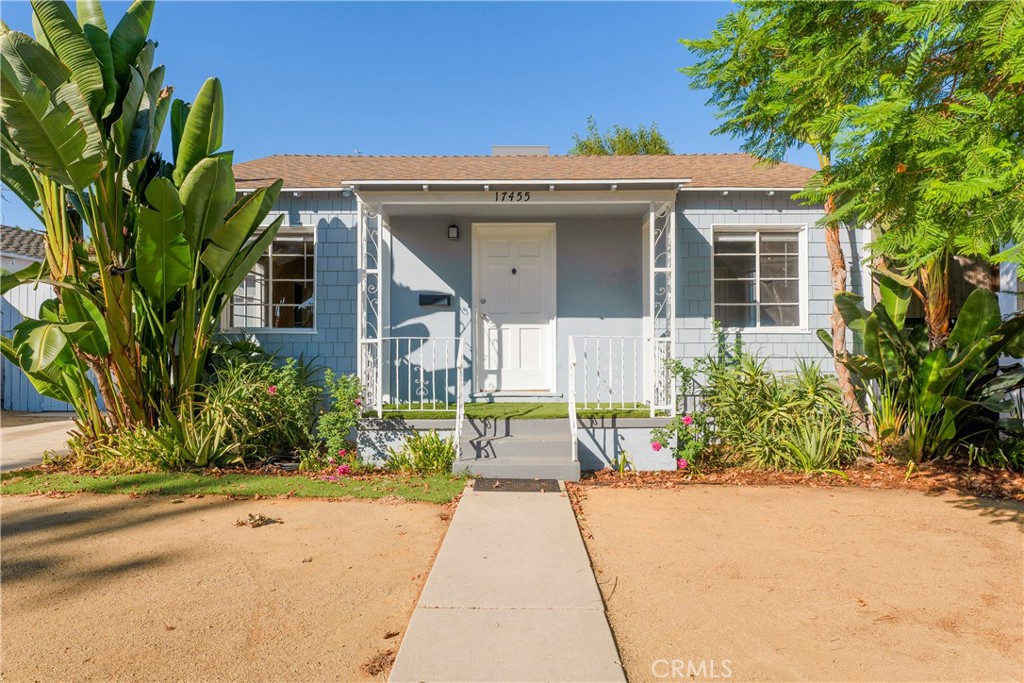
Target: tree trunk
935 285
837 270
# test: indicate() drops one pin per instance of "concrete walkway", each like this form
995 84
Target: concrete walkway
24 437
511 597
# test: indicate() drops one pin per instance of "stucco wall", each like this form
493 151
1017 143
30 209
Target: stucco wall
599 276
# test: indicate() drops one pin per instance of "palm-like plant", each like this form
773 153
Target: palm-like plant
143 254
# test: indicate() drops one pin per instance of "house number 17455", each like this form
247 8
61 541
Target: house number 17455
512 196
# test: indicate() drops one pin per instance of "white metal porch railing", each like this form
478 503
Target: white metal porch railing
425 374
607 372
422 373
617 372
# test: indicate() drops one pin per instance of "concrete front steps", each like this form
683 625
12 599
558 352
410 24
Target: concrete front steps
517 449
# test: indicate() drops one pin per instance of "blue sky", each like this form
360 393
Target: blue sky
429 78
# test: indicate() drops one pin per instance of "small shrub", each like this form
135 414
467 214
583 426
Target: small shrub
751 415
692 436
423 453
336 424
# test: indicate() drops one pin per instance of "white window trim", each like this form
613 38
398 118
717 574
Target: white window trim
285 231
801 230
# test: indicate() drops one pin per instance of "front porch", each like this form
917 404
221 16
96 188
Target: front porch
482 312
568 302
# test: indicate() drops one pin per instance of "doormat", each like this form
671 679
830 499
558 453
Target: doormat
516 485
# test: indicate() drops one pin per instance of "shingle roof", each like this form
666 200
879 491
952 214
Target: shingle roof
703 170
24 242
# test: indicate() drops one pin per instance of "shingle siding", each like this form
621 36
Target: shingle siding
697 212
333 217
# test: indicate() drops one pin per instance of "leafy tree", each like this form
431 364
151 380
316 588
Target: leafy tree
777 73
619 141
934 154
143 254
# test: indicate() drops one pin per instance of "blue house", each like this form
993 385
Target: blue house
522 276
509 262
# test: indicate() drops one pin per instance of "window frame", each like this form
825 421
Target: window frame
284 231
803 260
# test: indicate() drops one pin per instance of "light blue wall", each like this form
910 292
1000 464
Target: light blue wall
599 276
697 212
333 343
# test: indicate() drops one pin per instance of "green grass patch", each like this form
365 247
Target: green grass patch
519 411
431 489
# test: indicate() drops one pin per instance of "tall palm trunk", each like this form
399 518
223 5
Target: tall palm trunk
935 287
838 274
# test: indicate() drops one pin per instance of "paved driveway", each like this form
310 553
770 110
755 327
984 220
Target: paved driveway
24 437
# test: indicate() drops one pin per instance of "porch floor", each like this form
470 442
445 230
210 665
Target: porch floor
518 411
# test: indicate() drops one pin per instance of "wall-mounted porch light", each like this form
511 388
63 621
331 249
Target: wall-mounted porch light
453 232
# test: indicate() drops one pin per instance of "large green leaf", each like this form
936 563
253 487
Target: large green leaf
208 193
79 309
162 256
852 312
42 341
28 274
67 40
978 317
204 129
895 297
16 176
160 111
124 127
90 13
100 42
179 116
826 339
247 257
928 376
64 146
227 239
27 57
129 37
48 382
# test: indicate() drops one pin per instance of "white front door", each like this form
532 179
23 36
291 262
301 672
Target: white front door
514 306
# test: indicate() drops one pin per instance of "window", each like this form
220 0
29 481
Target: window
757 278
279 291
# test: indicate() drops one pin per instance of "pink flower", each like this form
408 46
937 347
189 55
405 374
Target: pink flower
681 463
344 469
656 445
341 452
330 460
687 420
272 389
358 401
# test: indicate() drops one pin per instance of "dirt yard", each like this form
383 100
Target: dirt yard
809 584
109 588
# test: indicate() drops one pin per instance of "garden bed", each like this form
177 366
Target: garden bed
992 483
